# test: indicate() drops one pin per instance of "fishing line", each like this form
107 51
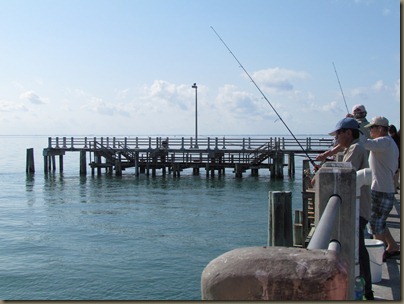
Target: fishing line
343 96
263 95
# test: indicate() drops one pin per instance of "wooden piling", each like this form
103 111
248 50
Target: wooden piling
60 163
30 165
83 163
291 164
118 165
280 231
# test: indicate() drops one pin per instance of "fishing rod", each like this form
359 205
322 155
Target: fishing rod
263 95
343 96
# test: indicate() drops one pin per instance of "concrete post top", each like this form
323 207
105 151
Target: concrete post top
337 165
275 259
289 273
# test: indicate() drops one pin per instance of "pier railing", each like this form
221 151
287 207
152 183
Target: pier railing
178 153
182 143
322 235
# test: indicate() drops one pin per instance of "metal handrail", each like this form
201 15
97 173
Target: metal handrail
321 236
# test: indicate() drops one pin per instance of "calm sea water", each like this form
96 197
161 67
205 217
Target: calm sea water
66 237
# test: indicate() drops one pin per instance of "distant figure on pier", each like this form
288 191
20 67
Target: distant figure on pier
383 161
359 113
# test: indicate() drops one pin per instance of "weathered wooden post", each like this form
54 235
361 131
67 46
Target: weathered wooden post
30 165
83 163
60 163
137 161
291 164
45 163
118 165
53 158
280 231
278 164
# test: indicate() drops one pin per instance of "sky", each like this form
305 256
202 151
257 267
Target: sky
126 67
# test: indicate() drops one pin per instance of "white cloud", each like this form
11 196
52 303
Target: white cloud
101 107
163 93
8 106
32 97
278 79
359 93
397 89
122 94
379 86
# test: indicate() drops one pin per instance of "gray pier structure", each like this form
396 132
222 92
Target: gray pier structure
174 154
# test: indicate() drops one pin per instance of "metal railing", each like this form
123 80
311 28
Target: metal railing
322 234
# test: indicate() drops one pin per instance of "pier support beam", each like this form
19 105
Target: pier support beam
60 163
278 162
238 169
254 172
83 163
30 165
118 165
291 164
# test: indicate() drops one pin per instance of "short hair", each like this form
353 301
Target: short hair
355 133
392 129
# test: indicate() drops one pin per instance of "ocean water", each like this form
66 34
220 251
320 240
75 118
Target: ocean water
69 237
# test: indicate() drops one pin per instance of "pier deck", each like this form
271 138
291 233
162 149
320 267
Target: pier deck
177 153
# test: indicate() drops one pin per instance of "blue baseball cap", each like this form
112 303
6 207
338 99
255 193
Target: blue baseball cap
345 123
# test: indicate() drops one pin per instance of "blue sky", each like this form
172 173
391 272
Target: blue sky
126 67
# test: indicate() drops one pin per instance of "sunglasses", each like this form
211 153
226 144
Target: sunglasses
372 127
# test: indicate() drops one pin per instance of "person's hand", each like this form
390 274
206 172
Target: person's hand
350 115
322 157
316 168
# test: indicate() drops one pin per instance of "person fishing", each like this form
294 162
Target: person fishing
347 135
359 114
383 161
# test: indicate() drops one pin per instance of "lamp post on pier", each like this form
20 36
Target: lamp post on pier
196 115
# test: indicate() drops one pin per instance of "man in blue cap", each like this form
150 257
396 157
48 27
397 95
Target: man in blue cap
359 113
347 135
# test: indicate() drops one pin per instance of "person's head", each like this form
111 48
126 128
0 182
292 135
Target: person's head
346 131
359 111
392 130
378 126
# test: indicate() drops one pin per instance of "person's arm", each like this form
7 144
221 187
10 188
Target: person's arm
323 156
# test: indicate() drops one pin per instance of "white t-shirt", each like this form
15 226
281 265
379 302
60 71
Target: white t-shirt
383 160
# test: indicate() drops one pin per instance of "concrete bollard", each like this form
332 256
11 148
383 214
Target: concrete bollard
275 273
340 178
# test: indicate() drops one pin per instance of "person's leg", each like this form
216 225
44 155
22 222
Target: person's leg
386 237
364 261
382 203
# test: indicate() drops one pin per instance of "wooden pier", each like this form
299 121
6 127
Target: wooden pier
174 154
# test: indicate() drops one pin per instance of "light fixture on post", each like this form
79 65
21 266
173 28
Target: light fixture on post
196 115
